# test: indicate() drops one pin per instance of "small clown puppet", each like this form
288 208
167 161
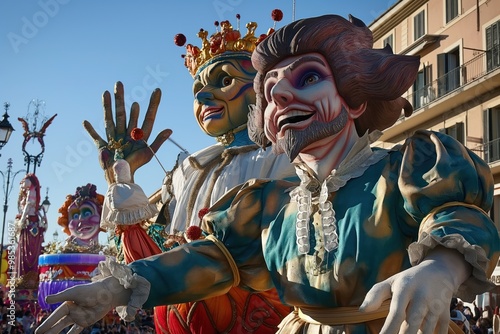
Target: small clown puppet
125 212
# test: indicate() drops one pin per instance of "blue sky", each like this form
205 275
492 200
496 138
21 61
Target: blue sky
66 53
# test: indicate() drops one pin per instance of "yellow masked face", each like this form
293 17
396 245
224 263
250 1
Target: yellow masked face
222 92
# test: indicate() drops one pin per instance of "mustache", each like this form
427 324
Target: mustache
294 141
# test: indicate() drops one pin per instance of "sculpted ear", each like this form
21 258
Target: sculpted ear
356 112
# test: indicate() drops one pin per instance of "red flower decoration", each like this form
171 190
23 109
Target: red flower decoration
263 37
180 39
202 213
137 134
193 232
277 15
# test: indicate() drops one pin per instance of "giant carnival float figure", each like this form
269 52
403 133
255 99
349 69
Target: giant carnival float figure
74 261
30 226
370 240
223 94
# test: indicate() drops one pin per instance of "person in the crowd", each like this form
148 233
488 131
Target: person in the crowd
352 246
28 322
459 318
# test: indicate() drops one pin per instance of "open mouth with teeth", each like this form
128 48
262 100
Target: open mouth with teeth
293 119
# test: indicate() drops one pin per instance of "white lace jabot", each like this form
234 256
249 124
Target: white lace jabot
358 160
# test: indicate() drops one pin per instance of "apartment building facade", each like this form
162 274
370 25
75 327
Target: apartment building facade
457 90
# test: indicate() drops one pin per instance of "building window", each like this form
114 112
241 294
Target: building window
456 131
493 46
451 10
419 25
448 71
492 134
389 40
423 93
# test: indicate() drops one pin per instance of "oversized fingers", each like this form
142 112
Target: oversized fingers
160 139
149 118
98 140
121 118
57 321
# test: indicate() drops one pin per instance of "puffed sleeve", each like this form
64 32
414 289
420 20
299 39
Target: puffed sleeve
448 190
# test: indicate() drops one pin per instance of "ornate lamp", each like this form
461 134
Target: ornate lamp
5 127
46 203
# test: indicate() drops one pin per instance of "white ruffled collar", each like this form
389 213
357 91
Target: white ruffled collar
357 161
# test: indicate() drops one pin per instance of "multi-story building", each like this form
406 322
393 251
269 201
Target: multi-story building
457 90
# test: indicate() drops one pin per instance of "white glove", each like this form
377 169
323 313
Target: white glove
421 295
83 305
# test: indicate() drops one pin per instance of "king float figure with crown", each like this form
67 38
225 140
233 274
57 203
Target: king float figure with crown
223 94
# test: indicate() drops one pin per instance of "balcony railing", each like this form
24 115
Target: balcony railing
456 78
470 71
490 152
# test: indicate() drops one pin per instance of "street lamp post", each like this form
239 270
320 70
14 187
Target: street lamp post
7 189
46 202
5 127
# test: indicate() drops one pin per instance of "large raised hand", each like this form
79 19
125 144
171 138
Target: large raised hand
118 132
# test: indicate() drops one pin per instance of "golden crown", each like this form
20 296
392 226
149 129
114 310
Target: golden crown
225 39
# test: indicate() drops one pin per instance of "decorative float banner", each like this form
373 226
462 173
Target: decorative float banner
58 272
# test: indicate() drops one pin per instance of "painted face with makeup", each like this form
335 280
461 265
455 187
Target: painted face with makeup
84 221
222 92
304 107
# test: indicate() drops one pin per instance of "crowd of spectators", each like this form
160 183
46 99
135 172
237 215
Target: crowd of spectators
475 320
25 317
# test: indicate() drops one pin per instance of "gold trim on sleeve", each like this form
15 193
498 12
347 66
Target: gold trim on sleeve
230 260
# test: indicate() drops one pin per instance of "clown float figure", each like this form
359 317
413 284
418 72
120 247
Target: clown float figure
222 90
75 261
80 219
369 240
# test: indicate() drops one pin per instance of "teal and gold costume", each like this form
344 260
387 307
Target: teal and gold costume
388 207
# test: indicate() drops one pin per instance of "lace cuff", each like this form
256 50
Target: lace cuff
129 280
477 283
